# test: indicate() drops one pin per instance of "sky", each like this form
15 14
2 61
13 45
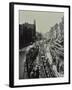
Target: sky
44 19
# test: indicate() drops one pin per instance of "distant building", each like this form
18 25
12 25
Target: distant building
27 34
57 31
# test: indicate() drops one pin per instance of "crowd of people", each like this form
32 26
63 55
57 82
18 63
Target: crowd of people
40 63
